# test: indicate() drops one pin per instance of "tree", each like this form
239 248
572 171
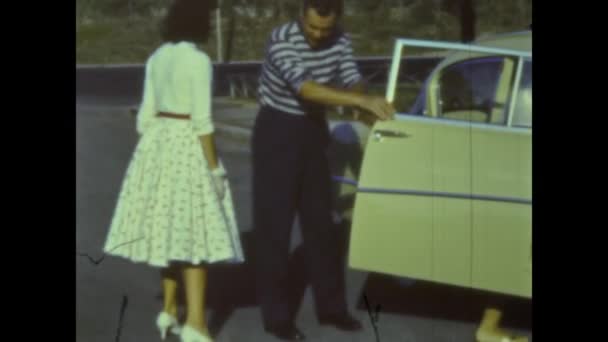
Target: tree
467 21
465 11
231 29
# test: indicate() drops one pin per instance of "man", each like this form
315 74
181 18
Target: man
308 65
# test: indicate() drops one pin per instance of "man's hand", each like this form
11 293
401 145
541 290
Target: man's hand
377 106
321 94
364 117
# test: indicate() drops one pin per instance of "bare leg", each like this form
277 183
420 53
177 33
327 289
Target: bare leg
195 279
169 285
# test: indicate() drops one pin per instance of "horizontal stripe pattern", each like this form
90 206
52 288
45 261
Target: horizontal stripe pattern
289 62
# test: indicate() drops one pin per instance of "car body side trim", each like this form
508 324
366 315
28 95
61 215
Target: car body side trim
454 195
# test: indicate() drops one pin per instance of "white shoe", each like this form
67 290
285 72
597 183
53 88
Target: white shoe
165 322
191 335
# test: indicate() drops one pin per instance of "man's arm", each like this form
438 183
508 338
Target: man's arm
284 57
322 94
352 95
314 92
355 113
357 88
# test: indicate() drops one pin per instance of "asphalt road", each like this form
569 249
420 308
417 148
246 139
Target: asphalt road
118 301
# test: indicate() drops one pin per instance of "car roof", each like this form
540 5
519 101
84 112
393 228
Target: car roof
515 40
521 41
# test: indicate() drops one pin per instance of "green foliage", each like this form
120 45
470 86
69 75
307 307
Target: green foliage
125 31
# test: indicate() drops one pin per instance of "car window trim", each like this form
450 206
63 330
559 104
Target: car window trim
401 42
439 75
515 90
516 86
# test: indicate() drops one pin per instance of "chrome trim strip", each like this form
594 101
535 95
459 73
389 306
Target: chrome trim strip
433 193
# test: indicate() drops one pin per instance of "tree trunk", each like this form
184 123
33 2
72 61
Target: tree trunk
467 21
277 9
231 29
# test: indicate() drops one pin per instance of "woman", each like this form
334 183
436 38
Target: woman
175 208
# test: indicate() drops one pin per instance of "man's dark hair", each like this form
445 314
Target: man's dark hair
324 7
188 20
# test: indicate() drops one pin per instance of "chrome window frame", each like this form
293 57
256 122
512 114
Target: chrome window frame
396 63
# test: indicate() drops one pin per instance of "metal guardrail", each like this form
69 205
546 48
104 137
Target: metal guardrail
236 79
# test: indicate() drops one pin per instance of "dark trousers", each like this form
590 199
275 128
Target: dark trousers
291 174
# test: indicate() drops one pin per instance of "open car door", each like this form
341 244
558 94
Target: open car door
447 196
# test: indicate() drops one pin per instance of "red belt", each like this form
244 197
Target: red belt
174 116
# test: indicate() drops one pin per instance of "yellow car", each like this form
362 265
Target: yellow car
444 192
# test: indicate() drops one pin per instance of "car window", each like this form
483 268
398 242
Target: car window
522 115
419 106
467 90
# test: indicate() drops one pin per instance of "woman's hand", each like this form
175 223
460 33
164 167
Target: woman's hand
219 181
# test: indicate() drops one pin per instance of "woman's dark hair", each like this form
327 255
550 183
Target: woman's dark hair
324 7
188 20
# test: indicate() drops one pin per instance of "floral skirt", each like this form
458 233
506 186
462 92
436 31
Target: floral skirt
168 209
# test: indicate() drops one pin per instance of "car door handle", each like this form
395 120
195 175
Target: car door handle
383 133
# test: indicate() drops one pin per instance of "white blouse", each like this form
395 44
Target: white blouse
178 80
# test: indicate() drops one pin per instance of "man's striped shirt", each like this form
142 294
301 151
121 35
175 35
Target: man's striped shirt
290 61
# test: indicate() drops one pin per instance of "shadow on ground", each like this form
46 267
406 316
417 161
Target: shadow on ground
231 287
437 301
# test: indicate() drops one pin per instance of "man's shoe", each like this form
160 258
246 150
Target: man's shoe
343 321
287 333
